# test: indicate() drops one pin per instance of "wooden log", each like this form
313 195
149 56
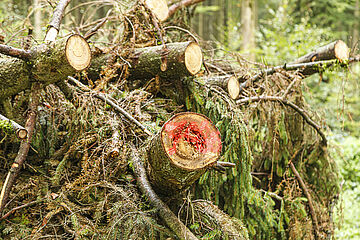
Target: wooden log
48 64
186 146
159 8
175 60
227 82
335 50
20 131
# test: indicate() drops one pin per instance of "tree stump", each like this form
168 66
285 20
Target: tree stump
186 146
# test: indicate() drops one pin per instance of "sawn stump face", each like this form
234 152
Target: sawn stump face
191 141
187 145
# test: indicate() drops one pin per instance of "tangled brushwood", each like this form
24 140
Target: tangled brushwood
87 173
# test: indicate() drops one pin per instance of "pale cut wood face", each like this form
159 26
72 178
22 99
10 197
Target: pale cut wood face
159 8
342 51
193 58
191 141
233 87
78 52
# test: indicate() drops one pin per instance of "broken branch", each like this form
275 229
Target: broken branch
165 213
20 131
106 99
54 25
301 111
15 52
24 146
308 196
181 4
305 69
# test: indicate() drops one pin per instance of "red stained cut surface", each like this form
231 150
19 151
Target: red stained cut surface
204 137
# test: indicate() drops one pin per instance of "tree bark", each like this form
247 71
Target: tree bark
186 146
175 60
48 64
229 83
335 50
20 131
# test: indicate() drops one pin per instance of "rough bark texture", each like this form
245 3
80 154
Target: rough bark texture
48 64
232 228
166 214
335 50
229 83
187 145
20 131
24 146
176 60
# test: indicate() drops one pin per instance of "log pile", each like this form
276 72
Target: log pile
101 129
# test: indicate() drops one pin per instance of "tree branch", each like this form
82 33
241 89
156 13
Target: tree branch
24 146
15 52
301 111
20 207
304 67
54 25
308 196
165 213
183 3
106 99
20 131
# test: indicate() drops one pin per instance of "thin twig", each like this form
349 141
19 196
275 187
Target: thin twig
287 67
24 146
15 52
301 111
182 4
165 213
20 207
106 99
92 31
308 196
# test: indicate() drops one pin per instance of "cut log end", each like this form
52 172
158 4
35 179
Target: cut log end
159 8
191 141
22 133
233 87
193 58
78 52
341 51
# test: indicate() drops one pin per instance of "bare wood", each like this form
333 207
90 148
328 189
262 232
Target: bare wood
301 111
186 146
335 50
54 25
183 59
159 8
308 196
20 131
228 82
24 146
78 52
15 52
181 231
181 4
